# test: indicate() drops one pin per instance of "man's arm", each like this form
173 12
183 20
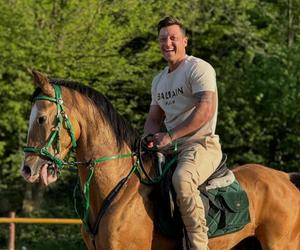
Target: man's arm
154 120
203 112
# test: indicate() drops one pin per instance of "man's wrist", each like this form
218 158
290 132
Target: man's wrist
171 134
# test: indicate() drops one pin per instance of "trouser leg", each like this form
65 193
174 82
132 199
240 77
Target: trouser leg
195 164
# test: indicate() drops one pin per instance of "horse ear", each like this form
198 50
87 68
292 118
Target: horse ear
41 80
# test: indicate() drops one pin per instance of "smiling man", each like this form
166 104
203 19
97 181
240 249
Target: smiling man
184 97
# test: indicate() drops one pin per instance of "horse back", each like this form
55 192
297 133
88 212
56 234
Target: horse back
267 183
271 194
254 175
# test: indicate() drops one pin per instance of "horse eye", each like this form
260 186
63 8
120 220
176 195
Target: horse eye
42 119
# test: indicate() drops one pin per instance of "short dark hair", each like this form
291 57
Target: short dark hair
168 21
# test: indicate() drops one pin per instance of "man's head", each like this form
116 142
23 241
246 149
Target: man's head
172 41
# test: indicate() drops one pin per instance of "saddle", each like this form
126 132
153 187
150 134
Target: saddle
225 203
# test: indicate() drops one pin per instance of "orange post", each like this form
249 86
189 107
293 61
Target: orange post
12 232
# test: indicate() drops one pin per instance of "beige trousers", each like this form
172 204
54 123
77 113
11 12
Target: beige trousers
196 162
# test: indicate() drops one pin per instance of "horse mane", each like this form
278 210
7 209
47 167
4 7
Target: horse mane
121 128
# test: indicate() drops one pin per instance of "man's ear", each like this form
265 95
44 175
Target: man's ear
185 41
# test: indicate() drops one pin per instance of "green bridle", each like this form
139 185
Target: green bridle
137 167
61 117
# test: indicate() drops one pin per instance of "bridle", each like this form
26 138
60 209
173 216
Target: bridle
137 167
61 117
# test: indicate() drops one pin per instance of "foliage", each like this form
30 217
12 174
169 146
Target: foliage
112 46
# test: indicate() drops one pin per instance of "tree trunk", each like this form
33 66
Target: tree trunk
33 197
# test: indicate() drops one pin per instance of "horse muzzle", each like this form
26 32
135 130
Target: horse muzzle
45 171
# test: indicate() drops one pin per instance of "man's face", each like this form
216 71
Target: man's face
172 44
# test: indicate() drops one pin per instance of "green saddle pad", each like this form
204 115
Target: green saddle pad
228 209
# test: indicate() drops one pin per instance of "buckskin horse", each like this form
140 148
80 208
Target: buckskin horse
66 116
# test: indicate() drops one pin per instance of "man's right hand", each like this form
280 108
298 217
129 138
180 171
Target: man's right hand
161 139
149 141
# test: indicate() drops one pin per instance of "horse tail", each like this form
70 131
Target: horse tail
295 179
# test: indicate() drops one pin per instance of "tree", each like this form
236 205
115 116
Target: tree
112 46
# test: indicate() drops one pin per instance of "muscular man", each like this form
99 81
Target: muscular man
184 97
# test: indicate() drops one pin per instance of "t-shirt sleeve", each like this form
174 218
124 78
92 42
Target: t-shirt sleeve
153 92
202 78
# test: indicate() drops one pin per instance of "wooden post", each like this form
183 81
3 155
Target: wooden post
12 232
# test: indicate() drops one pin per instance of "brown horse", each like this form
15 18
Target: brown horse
85 120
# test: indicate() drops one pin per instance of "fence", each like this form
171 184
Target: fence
12 220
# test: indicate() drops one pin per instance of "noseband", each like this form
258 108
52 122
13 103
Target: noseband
61 117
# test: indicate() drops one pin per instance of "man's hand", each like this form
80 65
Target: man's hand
161 139
148 141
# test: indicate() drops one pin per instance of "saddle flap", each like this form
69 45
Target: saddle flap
235 201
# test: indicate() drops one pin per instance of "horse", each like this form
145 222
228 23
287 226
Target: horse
66 116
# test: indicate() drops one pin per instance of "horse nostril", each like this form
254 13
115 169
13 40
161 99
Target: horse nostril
26 170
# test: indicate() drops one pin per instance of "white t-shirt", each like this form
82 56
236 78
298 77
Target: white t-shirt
174 92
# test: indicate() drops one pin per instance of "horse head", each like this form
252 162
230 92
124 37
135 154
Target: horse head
52 132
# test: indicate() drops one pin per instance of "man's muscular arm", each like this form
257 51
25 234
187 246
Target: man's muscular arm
203 112
154 120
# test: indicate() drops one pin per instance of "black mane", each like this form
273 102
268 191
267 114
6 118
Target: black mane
121 128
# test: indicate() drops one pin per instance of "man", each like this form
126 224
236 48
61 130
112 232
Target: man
184 95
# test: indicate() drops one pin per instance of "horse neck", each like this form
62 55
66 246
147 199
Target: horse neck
97 140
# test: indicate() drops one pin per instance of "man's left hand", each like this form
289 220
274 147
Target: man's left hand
162 139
